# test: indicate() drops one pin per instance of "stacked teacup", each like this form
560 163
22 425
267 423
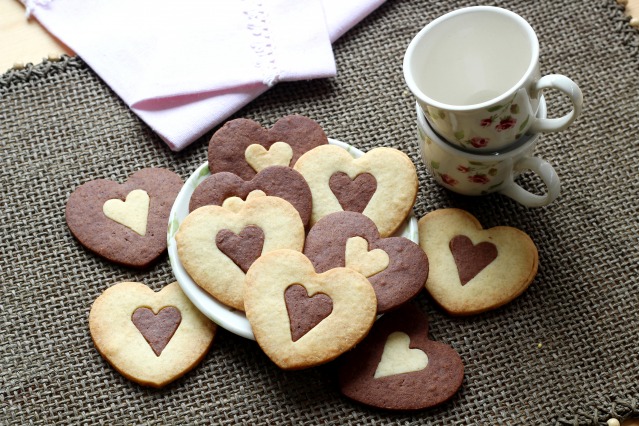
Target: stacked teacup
480 110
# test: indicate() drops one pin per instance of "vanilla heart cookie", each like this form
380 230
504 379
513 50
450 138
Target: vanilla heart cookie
124 223
396 267
274 181
150 338
397 367
474 270
244 148
217 244
381 184
300 318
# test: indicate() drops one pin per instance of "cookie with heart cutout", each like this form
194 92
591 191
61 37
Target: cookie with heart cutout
397 367
274 181
301 318
217 244
243 147
150 338
124 223
396 267
474 270
381 184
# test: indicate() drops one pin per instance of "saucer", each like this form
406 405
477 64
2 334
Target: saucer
226 317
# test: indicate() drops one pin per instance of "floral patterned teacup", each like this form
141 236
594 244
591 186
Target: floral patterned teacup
472 173
475 73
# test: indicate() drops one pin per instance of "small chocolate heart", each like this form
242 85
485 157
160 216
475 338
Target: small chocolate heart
305 312
407 268
274 181
227 147
242 249
157 329
353 194
471 259
373 376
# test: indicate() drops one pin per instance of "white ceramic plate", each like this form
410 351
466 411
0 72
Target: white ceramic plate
231 319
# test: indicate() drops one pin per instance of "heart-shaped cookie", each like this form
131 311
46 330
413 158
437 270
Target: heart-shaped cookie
220 270
275 181
228 146
397 367
267 299
405 273
330 172
150 338
473 269
124 223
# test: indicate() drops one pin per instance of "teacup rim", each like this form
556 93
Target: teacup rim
410 81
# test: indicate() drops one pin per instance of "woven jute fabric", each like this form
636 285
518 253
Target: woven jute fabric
565 352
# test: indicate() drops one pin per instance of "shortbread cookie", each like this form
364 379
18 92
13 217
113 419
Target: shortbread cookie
382 184
274 181
124 223
217 244
396 267
150 338
397 367
473 270
300 318
244 148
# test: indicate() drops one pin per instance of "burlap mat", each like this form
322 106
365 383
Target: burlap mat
565 352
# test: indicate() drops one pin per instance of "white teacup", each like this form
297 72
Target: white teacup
475 73
471 173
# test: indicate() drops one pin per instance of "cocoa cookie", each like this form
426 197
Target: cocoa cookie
396 267
397 367
474 269
300 318
244 148
274 181
381 184
124 223
150 338
217 244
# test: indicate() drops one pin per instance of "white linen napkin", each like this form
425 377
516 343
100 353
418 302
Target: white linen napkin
184 67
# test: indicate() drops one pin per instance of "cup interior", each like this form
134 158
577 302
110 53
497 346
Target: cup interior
471 56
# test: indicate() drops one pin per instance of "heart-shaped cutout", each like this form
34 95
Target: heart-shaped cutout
210 266
305 311
259 158
474 269
132 213
157 329
367 263
353 194
142 239
407 266
399 358
394 174
430 375
242 248
275 181
471 258
150 349
352 315
228 145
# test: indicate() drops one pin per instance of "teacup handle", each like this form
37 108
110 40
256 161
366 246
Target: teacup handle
549 177
565 85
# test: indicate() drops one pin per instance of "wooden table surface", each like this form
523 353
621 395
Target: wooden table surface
26 41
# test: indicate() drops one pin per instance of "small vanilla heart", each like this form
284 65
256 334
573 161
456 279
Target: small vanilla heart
279 154
399 358
132 213
367 263
235 204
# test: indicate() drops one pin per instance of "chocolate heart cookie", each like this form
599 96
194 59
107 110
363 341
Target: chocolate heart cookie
349 239
124 223
244 148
